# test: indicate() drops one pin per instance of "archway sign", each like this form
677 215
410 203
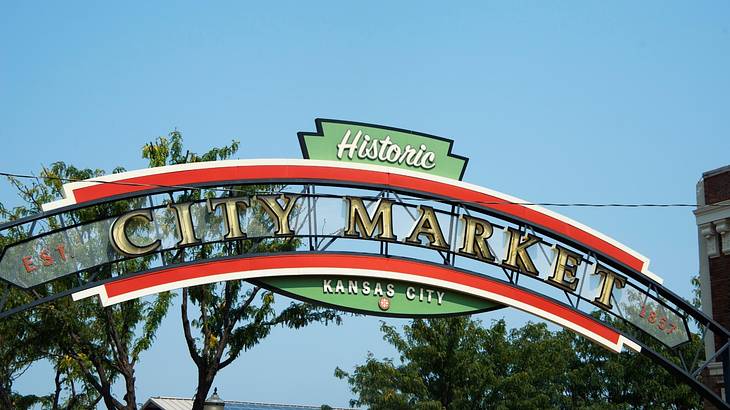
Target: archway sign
374 219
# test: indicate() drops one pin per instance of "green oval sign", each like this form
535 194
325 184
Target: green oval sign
378 296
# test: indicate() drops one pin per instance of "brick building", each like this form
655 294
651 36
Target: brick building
713 224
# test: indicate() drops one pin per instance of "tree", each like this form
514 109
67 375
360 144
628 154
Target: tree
89 345
17 338
16 333
441 366
232 316
455 363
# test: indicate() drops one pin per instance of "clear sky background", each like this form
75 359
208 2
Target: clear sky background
552 101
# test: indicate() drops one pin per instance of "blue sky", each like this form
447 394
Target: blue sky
553 102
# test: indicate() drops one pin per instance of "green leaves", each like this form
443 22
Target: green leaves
169 151
91 347
456 363
234 316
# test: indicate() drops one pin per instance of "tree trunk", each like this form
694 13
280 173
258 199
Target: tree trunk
205 381
109 401
207 362
6 399
57 392
130 397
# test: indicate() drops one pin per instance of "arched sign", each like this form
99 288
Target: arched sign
374 220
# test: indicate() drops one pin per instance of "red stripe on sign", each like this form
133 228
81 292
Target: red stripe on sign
375 263
283 173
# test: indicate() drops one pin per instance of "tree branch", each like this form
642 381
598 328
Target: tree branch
189 340
229 329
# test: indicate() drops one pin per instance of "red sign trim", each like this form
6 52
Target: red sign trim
357 265
152 179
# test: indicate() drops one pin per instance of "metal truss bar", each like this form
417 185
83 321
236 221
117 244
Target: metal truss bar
570 300
711 359
446 256
407 208
330 242
509 275
617 305
453 224
315 198
687 378
700 349
32 227
309 219
582 283
298 226
39 301
681 360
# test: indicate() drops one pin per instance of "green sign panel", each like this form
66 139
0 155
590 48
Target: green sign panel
376 144
379 296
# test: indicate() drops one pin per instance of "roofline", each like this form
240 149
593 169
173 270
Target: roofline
259 403
716 171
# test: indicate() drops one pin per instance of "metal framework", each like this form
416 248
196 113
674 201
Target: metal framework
315 238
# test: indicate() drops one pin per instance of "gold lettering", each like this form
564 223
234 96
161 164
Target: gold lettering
359 223
120 240
476 233
517 256
565 269
185 224
278 213
428 225
231 205
609 281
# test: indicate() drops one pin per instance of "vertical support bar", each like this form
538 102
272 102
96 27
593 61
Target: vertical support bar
386 194
453 224
314 216
31 229
157 228
309 219
79 281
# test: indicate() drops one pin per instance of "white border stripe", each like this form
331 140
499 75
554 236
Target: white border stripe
69 198
505 300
